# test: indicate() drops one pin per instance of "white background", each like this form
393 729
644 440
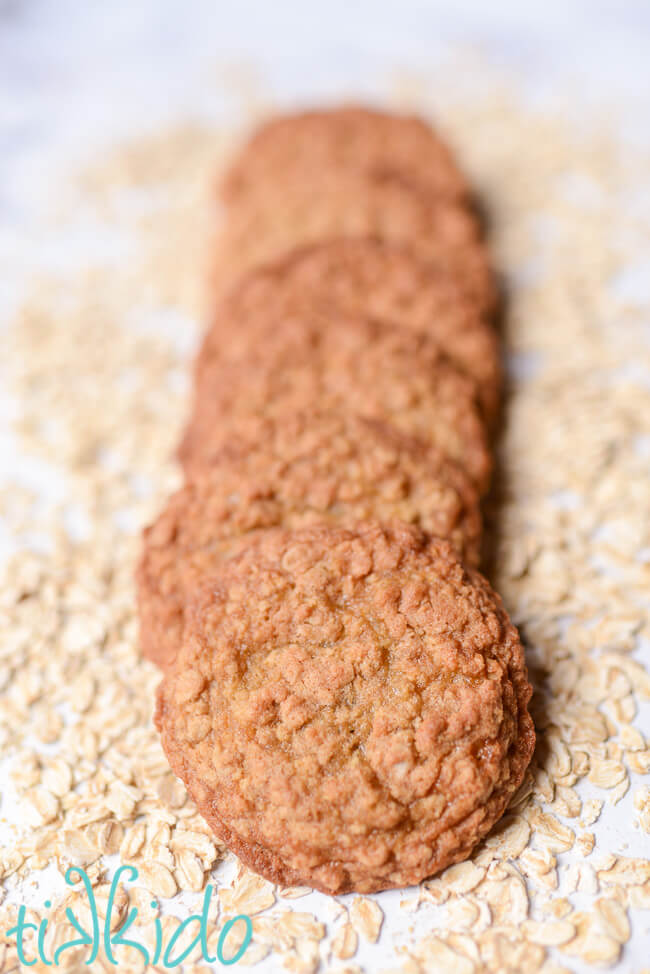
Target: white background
78 73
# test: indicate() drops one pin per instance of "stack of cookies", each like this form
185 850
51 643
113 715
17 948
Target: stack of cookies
343 695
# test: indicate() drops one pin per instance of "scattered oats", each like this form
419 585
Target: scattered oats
639 896
266 931
172 791
157 878
558 763
290 927
80 634
437 956
293 892
631 738
462 877
411 904
335 909
613 919
537 862
142 900
595 949
106 836
508 952
510 836
161 854
606 774
544 787
253 954
566 802
303 958
433 891
57 777
10 861
591 810
641 802
505 892
586 842
626 872
463 914
638 675
550 834
367 917
132 842
581 876
122 799
344 945
249 894
639 761
189 872
197 842
40 808
580 763
465 945
549 934
619 791
559 907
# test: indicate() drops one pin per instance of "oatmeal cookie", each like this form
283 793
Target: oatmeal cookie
282 364
353 138
349 707
328 204
384 281
304 468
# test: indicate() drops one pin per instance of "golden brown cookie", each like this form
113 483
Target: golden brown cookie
282 364
372 278
353 138
324 204
304 468
349 708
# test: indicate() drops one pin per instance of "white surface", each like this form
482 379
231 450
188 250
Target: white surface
74 76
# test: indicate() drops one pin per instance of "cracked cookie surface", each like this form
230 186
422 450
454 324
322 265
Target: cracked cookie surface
278 363
383 281
324 204
291 472
349 708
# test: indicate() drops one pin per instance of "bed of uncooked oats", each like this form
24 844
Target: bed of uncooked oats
99 360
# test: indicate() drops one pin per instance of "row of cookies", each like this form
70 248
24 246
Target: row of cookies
344 695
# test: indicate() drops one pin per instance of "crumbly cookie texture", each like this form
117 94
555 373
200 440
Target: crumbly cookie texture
281 363
385 281
292 472
320 204
352 137
349 708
